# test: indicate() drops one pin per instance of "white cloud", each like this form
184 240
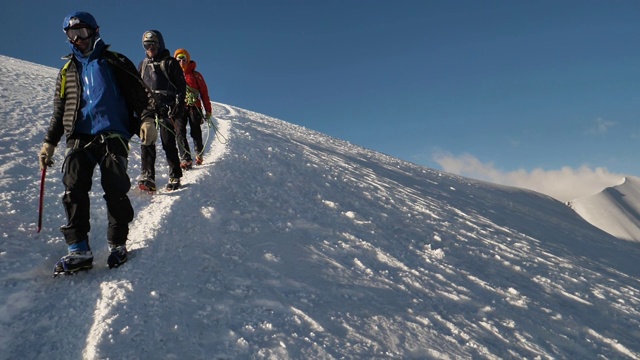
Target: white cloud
601 126
564 184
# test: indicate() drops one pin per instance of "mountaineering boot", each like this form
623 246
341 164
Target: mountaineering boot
147 184
79 258
199 160
118 256
174 184
186 165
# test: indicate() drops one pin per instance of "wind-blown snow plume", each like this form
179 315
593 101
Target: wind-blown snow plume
564 184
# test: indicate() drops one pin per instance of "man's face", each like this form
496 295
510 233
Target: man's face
82 45
81 37
151 48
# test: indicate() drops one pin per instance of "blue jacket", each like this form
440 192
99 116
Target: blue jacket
83 107
102 107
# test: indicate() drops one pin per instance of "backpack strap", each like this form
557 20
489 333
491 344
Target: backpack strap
113 60
143 66
63 80
166 74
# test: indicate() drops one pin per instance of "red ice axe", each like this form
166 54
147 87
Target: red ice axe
41 201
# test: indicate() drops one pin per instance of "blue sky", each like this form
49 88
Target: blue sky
505 91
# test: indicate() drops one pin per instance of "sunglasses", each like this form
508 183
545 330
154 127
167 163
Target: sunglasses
82 33
148 45
181 58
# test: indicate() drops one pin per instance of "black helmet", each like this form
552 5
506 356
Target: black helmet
153 36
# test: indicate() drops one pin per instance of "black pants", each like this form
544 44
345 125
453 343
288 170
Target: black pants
79 164
193 117
148 153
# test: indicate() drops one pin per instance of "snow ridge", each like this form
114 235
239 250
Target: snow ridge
615 210
289 244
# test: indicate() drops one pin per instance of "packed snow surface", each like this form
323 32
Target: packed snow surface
289 244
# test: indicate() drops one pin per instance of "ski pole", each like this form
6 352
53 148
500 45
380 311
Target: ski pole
41 201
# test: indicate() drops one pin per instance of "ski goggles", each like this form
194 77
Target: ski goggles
148 45
83 33
181 57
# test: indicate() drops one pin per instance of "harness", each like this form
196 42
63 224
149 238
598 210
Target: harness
192 96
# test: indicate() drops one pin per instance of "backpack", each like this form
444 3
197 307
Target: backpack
163 67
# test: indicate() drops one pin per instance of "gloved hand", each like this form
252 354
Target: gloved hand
148 132
46 155
207 116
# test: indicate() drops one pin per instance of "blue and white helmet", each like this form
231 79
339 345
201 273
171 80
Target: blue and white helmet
79 19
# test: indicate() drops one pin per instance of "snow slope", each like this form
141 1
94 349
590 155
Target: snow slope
288 244
615 210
